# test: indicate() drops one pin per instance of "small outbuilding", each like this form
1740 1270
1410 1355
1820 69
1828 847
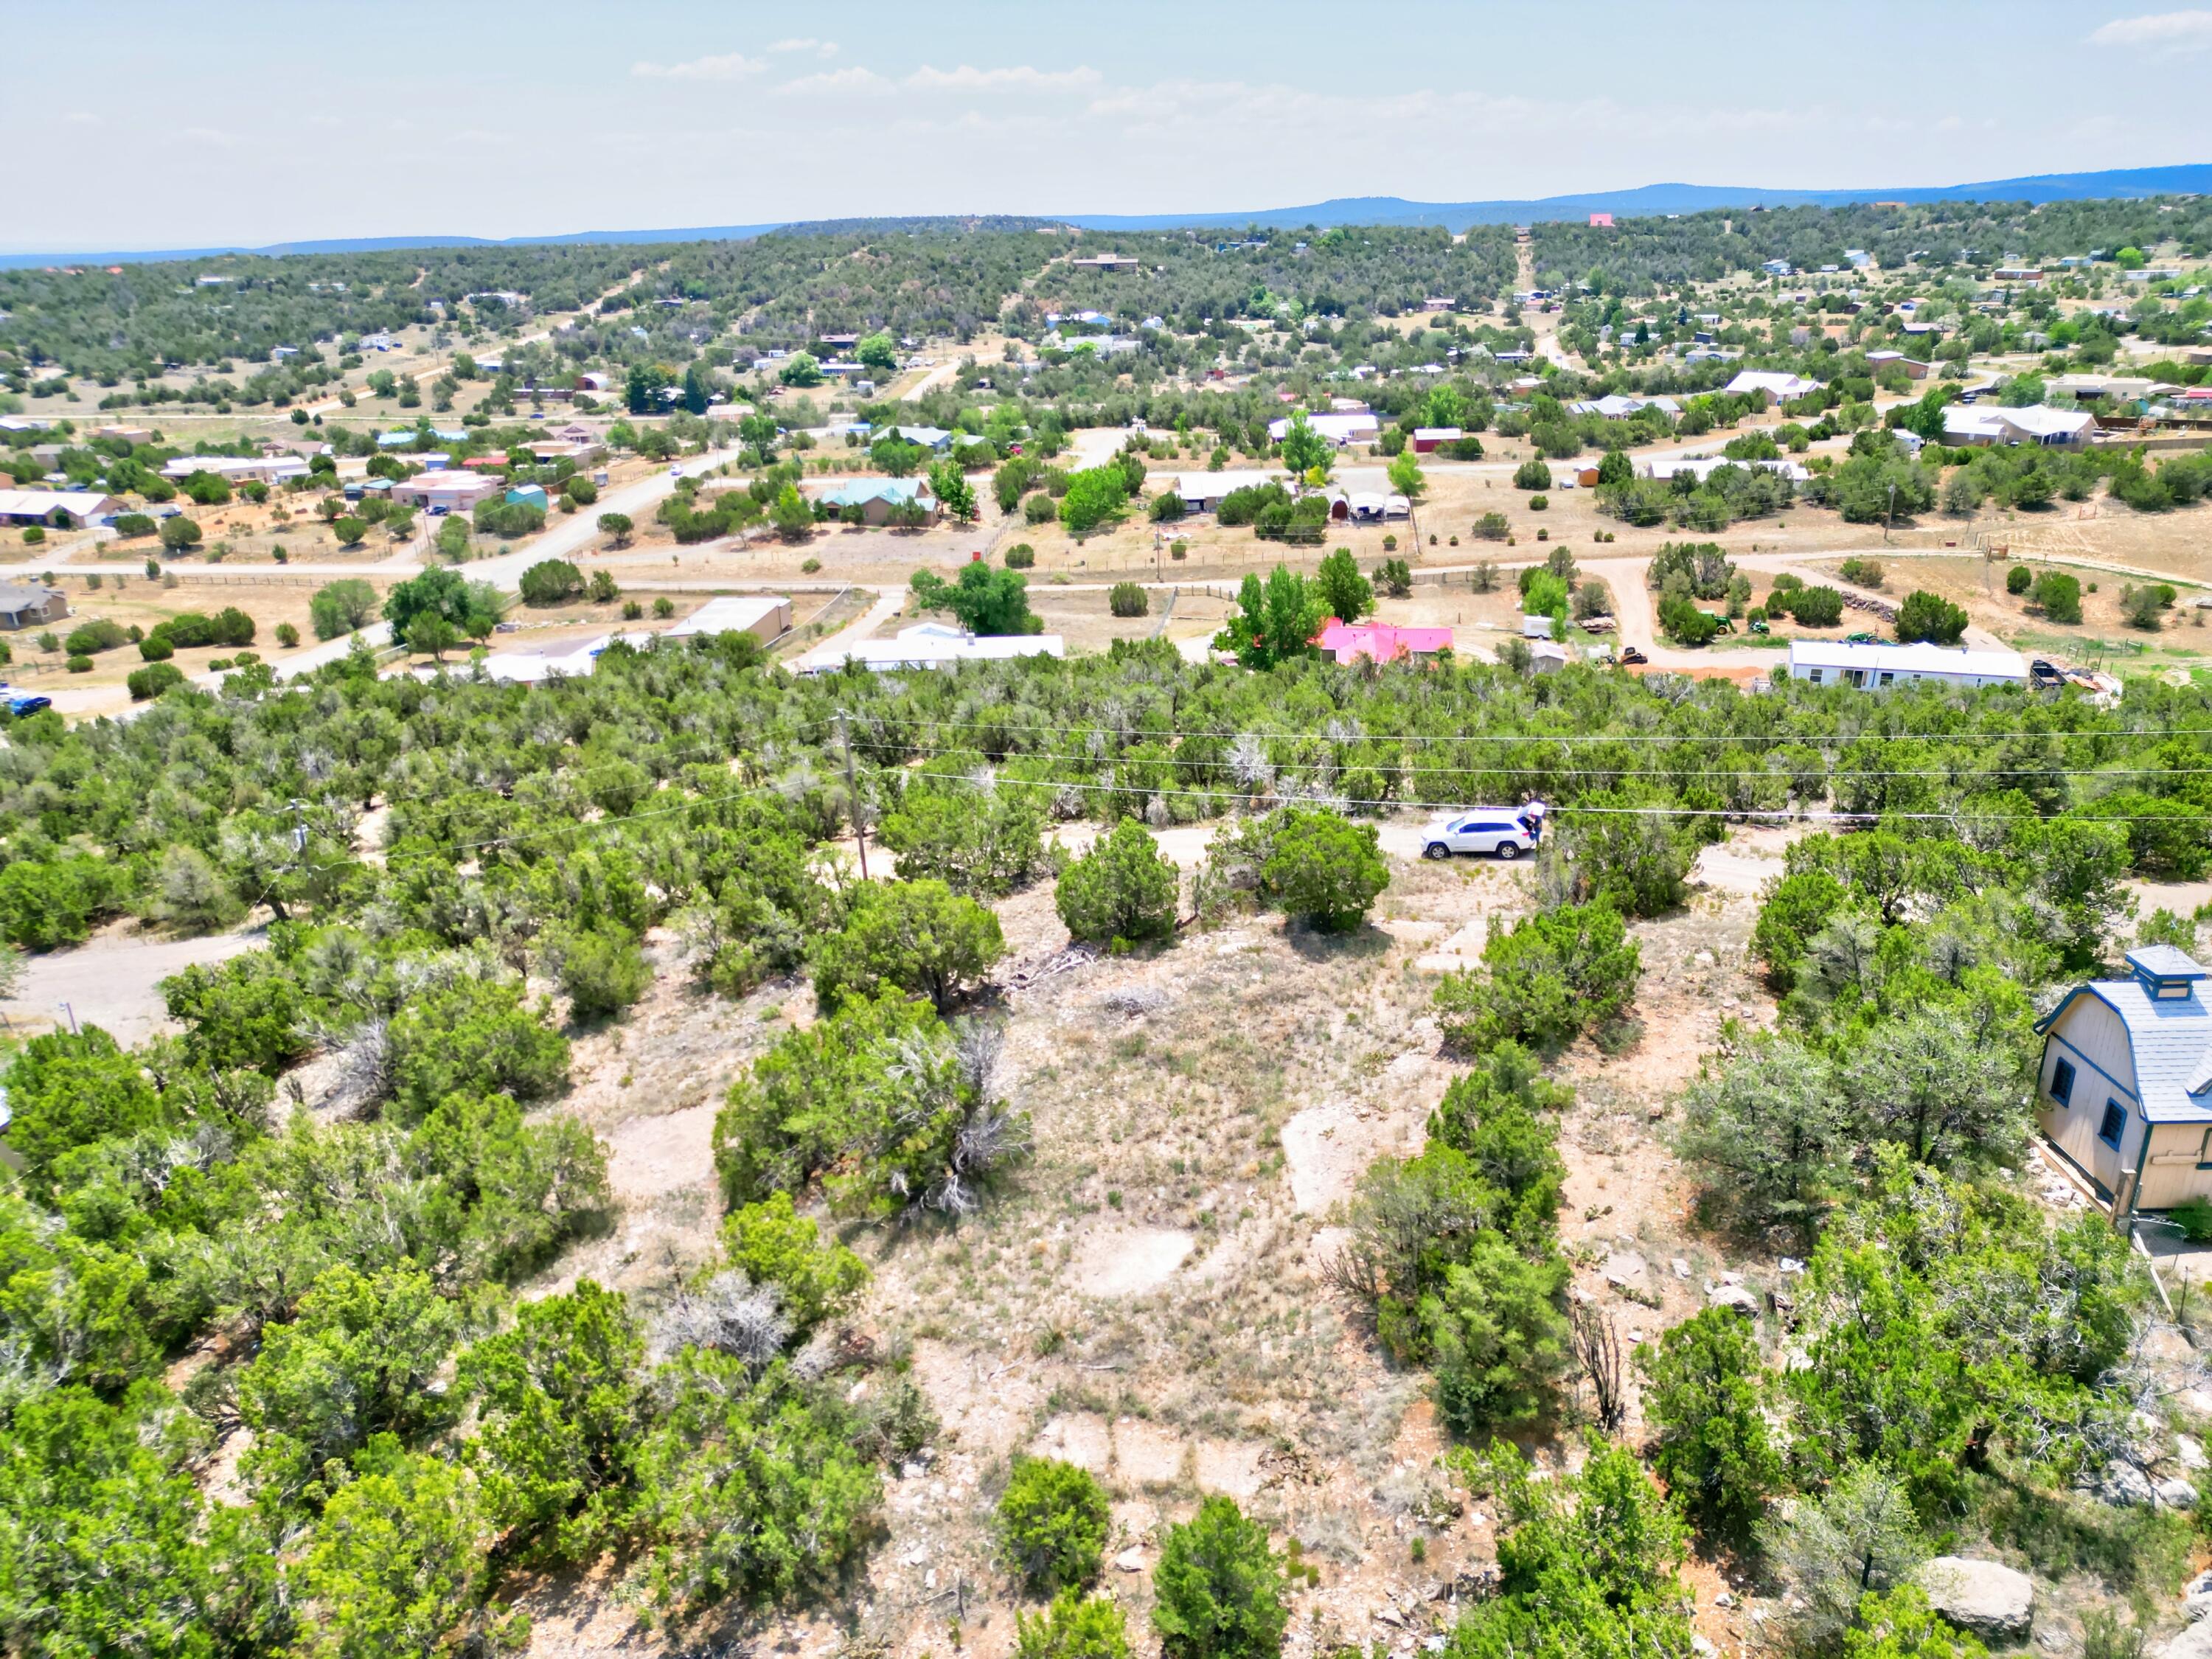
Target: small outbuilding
2124 1089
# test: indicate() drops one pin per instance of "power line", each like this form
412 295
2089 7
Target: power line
1551 771
1775 739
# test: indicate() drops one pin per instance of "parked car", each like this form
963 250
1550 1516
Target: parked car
1503 832
27 704
1629 654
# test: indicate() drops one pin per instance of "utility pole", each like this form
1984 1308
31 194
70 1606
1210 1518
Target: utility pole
853 792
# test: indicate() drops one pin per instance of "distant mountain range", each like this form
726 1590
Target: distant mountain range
2118 184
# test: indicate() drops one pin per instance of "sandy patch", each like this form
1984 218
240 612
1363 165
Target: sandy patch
1330 1146
1144 1455
649 1155
1230 1466
1127 1261
1077 1437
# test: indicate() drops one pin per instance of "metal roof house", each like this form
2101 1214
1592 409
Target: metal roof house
933 645
2124 1089
1878 667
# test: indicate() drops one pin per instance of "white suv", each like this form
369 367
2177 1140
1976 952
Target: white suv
1506 831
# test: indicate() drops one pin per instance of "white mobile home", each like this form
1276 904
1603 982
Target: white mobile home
2125 1086
1878 667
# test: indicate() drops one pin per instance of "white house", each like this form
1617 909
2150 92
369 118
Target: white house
238 469
935 645
1617 406
1979 424
1202 492
1339 429
1704 466
76 507
1877 667
1772 383
2124 1089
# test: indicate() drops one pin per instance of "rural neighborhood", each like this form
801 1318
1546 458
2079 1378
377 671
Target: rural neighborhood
1397 928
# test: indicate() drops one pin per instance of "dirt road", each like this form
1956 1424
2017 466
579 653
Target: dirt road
110 981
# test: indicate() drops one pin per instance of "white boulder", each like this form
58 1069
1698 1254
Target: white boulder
1986 1599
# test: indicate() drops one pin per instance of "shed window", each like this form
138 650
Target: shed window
2061 1082
2116 1120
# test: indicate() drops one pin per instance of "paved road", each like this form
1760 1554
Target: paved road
110 981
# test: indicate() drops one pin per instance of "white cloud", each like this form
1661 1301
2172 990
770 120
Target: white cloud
1020 78
729 66
843 80
210 135
81 118
819 48
2159 31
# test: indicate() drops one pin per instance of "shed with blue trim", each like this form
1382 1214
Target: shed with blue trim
2125 1087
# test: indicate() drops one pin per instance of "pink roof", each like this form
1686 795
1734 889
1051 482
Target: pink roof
1348 642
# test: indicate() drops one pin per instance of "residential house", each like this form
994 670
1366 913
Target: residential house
1913 368
1600 221
1772 385
878 499
1980 425
1878 667
1618 406
238 469
1106 262
493 462
929 437
1425 439
129 434
24 604
74 509
935 645
1348 642
446 490
1339 429
593 380
2124 1087
1202 492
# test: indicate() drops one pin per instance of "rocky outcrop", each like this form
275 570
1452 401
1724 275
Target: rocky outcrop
1985 1599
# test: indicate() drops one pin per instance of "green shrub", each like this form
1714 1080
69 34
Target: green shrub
1219 1588
147 683
1554 975
551 581
919 937
78 664
1020 556
1532 474
1053 1524
1323 868
602 969
1129 599
156 647
133 524
2057 595
1124 888
97 635
1076 1626
2194 1217
2018 580
1926 615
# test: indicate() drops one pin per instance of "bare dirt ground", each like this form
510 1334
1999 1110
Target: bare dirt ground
1143 1297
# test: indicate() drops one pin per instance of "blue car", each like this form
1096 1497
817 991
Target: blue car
22 706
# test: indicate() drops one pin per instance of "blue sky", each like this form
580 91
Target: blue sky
171 125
